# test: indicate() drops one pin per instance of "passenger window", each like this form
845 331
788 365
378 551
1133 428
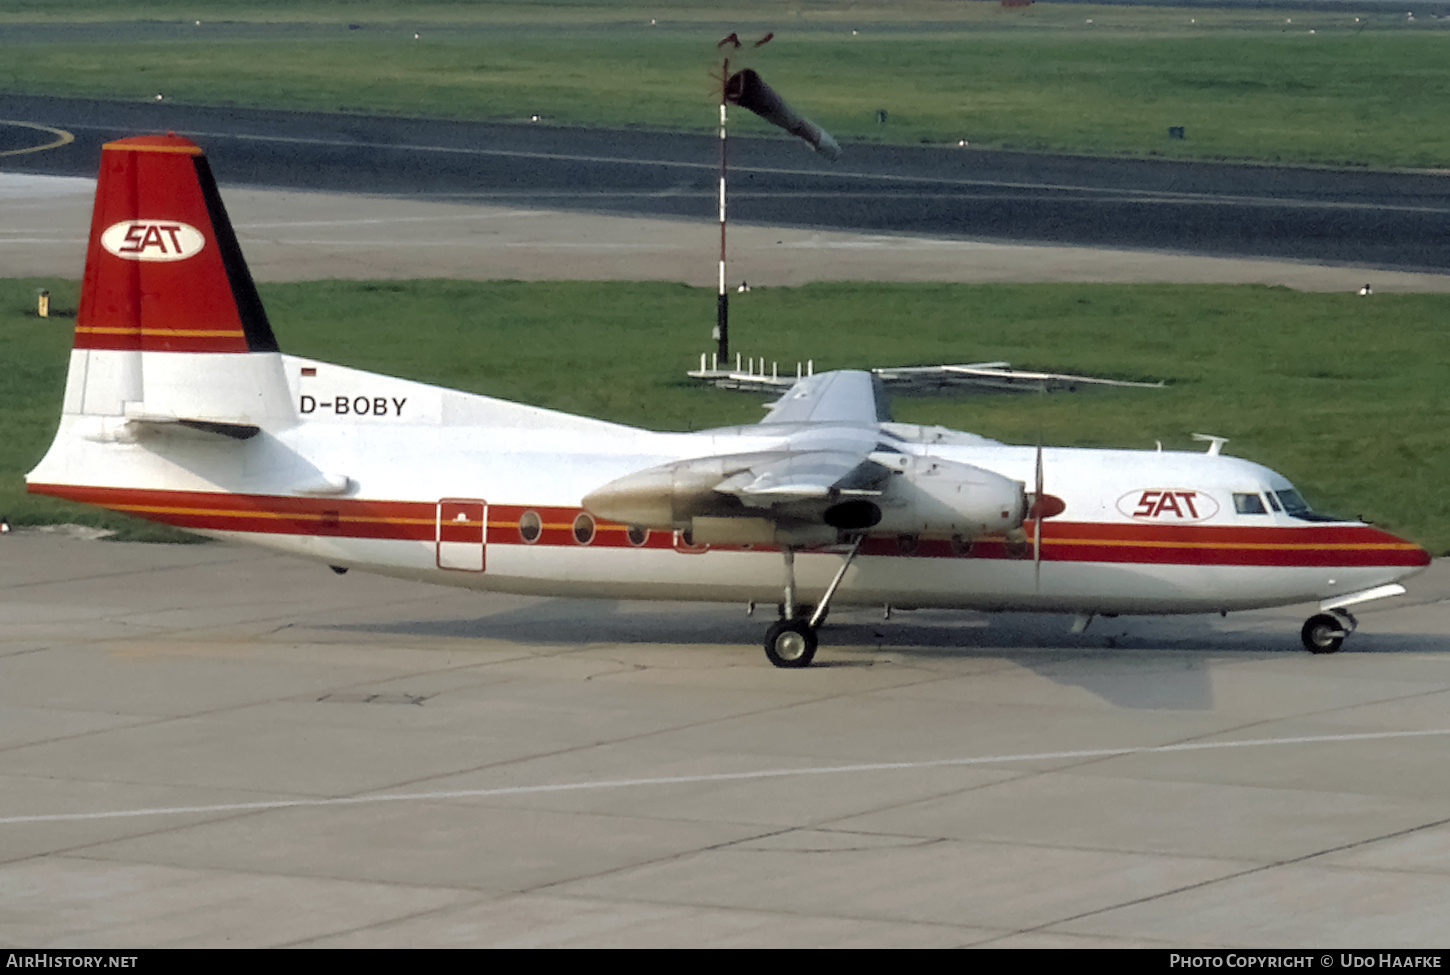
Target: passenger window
583 528
1249 504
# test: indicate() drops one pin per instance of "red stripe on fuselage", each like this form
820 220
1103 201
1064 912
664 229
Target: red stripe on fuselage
262 513
1308 545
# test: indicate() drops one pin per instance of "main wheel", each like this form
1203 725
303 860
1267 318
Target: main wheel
790 643
1323 634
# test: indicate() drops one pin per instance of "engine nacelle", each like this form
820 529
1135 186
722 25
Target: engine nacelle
930 496
672 495
920 495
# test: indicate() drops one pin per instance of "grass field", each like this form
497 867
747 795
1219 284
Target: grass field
1336 87
1345 395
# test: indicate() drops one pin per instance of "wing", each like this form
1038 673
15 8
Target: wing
832 469
992 377
975 377
831 397
837 419
830 438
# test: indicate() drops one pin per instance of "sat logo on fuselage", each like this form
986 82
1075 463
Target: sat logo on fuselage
153 240
1168 504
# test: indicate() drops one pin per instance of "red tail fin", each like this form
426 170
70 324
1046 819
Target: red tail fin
163 269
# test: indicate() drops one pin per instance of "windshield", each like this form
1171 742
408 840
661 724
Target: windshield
1296 507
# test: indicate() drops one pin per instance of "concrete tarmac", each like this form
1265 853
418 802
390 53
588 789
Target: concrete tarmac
214 746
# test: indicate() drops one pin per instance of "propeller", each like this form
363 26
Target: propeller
1037 511
1043 506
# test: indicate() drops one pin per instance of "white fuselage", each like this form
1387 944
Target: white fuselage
391 476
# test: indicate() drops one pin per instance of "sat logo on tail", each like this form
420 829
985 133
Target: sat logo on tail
153 240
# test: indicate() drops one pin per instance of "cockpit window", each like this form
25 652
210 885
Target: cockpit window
1273 501
1248 504
1296 507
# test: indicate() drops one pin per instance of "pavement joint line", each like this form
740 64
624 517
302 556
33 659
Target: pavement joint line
635 736
779 773
1093 759
1237 875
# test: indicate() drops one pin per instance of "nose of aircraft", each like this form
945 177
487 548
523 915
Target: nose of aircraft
1404 557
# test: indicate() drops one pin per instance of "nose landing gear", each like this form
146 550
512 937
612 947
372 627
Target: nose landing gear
1325 632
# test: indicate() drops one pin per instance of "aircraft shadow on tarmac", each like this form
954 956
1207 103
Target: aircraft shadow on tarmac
1130 662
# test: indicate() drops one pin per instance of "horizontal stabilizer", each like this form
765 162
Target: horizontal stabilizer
221 426
134 426
233 431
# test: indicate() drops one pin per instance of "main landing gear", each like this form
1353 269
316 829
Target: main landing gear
792 642
1325 632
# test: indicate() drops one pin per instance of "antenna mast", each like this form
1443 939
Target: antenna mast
746 89
722 303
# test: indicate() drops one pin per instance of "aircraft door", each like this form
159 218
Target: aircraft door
462 528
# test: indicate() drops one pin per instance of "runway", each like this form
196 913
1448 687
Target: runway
288 235
1385 220
205 745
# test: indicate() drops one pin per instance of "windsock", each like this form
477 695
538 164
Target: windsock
748 90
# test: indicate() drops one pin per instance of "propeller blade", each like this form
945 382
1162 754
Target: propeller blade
1037 508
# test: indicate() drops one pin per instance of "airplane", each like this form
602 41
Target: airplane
180 407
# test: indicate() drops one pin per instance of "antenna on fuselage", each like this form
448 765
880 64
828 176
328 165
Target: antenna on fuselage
1215 444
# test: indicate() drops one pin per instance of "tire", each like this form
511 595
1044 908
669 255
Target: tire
1323 634
790 643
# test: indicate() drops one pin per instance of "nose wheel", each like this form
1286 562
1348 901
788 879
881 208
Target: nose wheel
1325 632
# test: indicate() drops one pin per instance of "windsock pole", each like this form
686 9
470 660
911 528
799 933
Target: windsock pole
722 303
